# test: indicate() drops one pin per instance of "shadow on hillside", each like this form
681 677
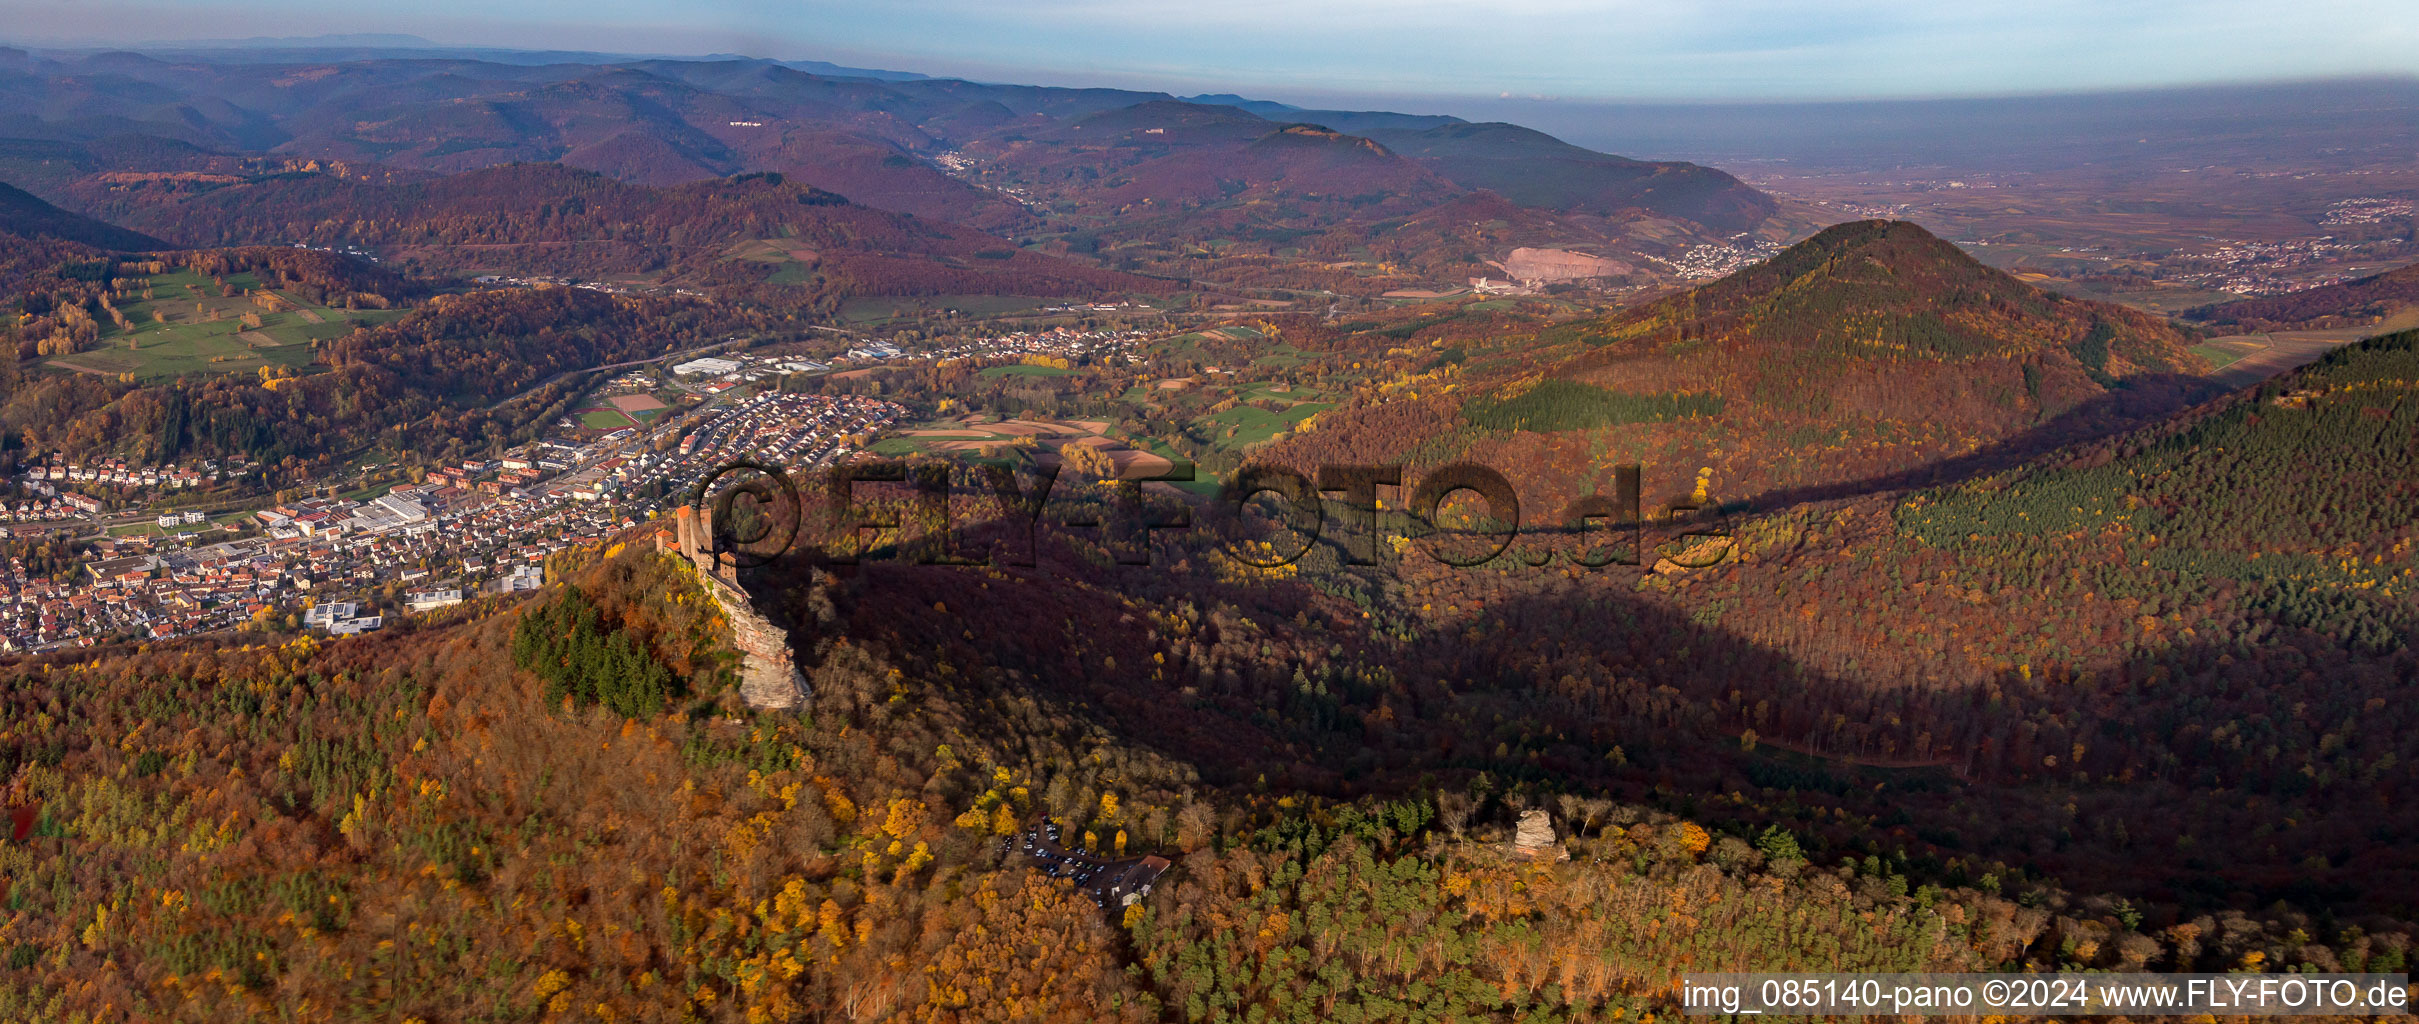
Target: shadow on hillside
2112 782
2143 400
1588 686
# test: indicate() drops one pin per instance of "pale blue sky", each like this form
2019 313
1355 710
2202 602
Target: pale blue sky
1572 49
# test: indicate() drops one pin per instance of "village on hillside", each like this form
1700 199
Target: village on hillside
343 563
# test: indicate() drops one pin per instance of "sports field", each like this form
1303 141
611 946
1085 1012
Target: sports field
605 419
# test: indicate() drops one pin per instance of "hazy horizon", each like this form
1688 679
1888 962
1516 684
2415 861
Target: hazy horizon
1537 50
2007 131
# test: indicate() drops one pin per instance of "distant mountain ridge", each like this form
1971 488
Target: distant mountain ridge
1026 161
553 219
391 40
373 45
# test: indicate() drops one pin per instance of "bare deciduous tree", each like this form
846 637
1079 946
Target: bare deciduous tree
1454 807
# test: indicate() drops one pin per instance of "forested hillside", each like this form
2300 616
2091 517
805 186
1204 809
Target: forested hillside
424 825
552 219
2196 626
27 216
2037 668
36 237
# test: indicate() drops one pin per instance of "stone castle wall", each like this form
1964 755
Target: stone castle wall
768 672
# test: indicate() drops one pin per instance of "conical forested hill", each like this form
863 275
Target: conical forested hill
1871 355
1890 291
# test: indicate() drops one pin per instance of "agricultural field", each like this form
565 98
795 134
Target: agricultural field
1205 396
972 436
965 434
1248 423
2219 355
1230 388
1191 346
2241 360
791 259
186 327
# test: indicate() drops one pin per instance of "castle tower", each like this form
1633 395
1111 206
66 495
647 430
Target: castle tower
685 531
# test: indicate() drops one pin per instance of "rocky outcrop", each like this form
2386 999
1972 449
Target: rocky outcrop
1535 837
769 678
1703 553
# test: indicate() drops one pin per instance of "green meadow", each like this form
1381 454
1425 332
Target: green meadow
186 327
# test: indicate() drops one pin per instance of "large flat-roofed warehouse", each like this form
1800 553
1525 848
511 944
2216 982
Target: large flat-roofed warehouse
706 366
